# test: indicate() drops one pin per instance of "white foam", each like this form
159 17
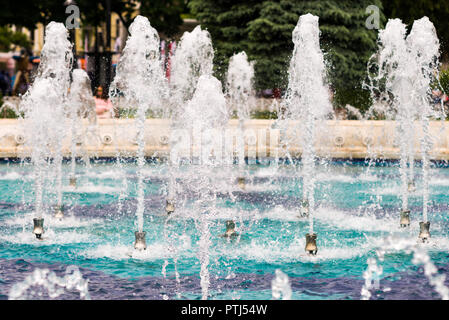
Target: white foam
11 176
68 221
154 251
110 174
272 252
91 188
50 237
347 221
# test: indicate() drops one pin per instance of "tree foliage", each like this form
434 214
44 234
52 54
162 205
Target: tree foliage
163 14
9 37
436 10
264 30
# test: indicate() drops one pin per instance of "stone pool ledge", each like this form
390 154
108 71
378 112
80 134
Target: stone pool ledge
343 139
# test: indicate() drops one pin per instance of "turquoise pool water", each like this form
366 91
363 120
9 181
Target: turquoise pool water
356 207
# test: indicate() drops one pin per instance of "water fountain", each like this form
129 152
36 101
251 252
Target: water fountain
206 112
81 105
240 93
339 198
280 286
424 52
193 58
43 107
307 100
140 79
54 286
406 69
393 63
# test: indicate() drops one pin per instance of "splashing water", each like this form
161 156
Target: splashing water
240 92
280 286
393 60
424 51
140 78
204 114
43 106
307 97
239 85
405 71
193 58
53 285
81 104
420 257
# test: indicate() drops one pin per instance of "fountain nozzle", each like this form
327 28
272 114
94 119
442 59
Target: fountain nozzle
59 211
170 206
311 247
140 243
304 212
405 218
424 231
38 227
72 181
230 229
241 181
411 186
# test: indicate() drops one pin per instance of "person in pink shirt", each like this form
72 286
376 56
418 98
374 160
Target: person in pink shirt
103 106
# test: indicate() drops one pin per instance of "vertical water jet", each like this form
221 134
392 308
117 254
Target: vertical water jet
307 100
141 81
44 109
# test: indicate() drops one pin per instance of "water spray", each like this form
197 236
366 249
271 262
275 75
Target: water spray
140 81
307 101
304 211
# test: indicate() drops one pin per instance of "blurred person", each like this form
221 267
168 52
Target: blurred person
103 106
82 103
5 83
22 78
7 77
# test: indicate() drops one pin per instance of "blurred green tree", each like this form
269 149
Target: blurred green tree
164 15
264 30
9 38
436 10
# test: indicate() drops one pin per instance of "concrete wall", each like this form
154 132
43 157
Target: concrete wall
336 139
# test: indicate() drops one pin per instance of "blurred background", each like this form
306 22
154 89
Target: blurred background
263 29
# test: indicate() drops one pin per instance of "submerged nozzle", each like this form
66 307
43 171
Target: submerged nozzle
72 181
304 211
241 182
170 206
411 186
311 247
59 211
140 243
38 227
405 218
424 231
230 229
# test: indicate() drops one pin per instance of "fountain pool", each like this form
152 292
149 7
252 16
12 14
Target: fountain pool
356 207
